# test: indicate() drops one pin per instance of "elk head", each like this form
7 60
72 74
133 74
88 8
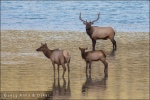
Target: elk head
43 47
83 49
88 24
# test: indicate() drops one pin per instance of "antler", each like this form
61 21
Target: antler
96 19
81 18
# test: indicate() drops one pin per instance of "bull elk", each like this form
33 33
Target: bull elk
96 32
59 57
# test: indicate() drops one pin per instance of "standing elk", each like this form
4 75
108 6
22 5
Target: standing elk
59 57
97 55
96 32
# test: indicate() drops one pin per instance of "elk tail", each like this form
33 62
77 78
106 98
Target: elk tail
114 33
67 55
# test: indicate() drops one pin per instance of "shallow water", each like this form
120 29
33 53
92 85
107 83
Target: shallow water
26 73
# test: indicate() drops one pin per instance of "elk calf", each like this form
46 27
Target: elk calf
96 32
59 57
90 56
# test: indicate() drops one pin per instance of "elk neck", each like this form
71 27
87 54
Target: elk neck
47 52
89 30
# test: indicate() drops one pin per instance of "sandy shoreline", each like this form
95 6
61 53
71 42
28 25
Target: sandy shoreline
26 40
57 34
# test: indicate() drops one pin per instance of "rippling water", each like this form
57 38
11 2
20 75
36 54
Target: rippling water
64 15
26 73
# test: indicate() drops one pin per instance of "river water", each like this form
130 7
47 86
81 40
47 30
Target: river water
26 73
122 15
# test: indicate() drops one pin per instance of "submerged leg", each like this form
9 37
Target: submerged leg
93 44
64 69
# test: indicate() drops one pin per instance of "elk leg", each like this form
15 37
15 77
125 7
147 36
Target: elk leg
58 70
106 67
114 44
64 83
90 68
68 68
64 69
86 66
93 44
68 65
53 68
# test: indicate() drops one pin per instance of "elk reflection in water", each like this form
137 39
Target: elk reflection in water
59 91
96 84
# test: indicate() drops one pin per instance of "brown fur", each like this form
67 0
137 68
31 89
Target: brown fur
103 53
96 32
91 56
59 57
66 55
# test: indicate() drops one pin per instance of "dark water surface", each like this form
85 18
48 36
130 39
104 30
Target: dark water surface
30 72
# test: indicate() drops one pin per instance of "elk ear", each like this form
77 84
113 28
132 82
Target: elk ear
41 43
45 44
79 48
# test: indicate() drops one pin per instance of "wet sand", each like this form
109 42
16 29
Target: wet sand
25 69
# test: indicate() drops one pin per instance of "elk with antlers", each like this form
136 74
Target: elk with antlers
96 32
